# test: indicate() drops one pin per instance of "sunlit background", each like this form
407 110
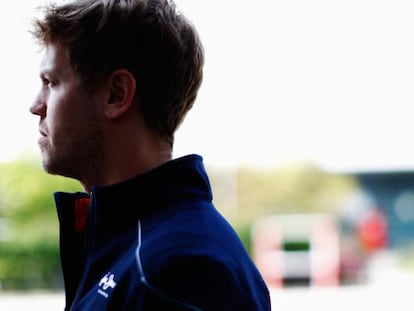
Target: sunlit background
326 81
302 102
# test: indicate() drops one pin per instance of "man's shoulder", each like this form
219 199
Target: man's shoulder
196 224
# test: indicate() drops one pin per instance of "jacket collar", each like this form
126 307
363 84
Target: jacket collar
138 197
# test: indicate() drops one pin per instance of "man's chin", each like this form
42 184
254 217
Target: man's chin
48 165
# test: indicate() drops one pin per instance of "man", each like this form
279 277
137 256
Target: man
118 77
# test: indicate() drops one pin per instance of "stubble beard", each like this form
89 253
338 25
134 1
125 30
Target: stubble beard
80 158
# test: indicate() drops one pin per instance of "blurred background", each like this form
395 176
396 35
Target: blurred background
304 122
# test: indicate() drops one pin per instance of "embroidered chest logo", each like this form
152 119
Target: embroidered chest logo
105 283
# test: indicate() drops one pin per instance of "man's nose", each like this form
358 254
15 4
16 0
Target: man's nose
38 107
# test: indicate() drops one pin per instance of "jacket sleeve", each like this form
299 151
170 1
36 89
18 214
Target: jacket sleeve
199 283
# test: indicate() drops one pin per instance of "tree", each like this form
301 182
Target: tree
29 254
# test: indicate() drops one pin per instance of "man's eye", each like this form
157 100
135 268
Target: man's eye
47 82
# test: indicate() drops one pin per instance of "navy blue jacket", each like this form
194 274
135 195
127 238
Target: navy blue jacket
155 242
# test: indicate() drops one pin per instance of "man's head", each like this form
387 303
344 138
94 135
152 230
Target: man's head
148 38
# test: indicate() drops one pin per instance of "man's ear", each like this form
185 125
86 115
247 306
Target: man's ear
122 86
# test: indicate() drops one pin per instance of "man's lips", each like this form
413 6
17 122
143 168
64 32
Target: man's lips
42 138
42 133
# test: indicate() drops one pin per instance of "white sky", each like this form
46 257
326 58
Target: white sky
326 81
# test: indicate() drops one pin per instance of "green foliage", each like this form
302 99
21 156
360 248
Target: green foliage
244 232
24 266
291 189
29 253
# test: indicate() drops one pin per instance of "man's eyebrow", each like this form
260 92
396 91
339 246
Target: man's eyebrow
44 73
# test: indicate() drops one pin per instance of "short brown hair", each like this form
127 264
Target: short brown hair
150 38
